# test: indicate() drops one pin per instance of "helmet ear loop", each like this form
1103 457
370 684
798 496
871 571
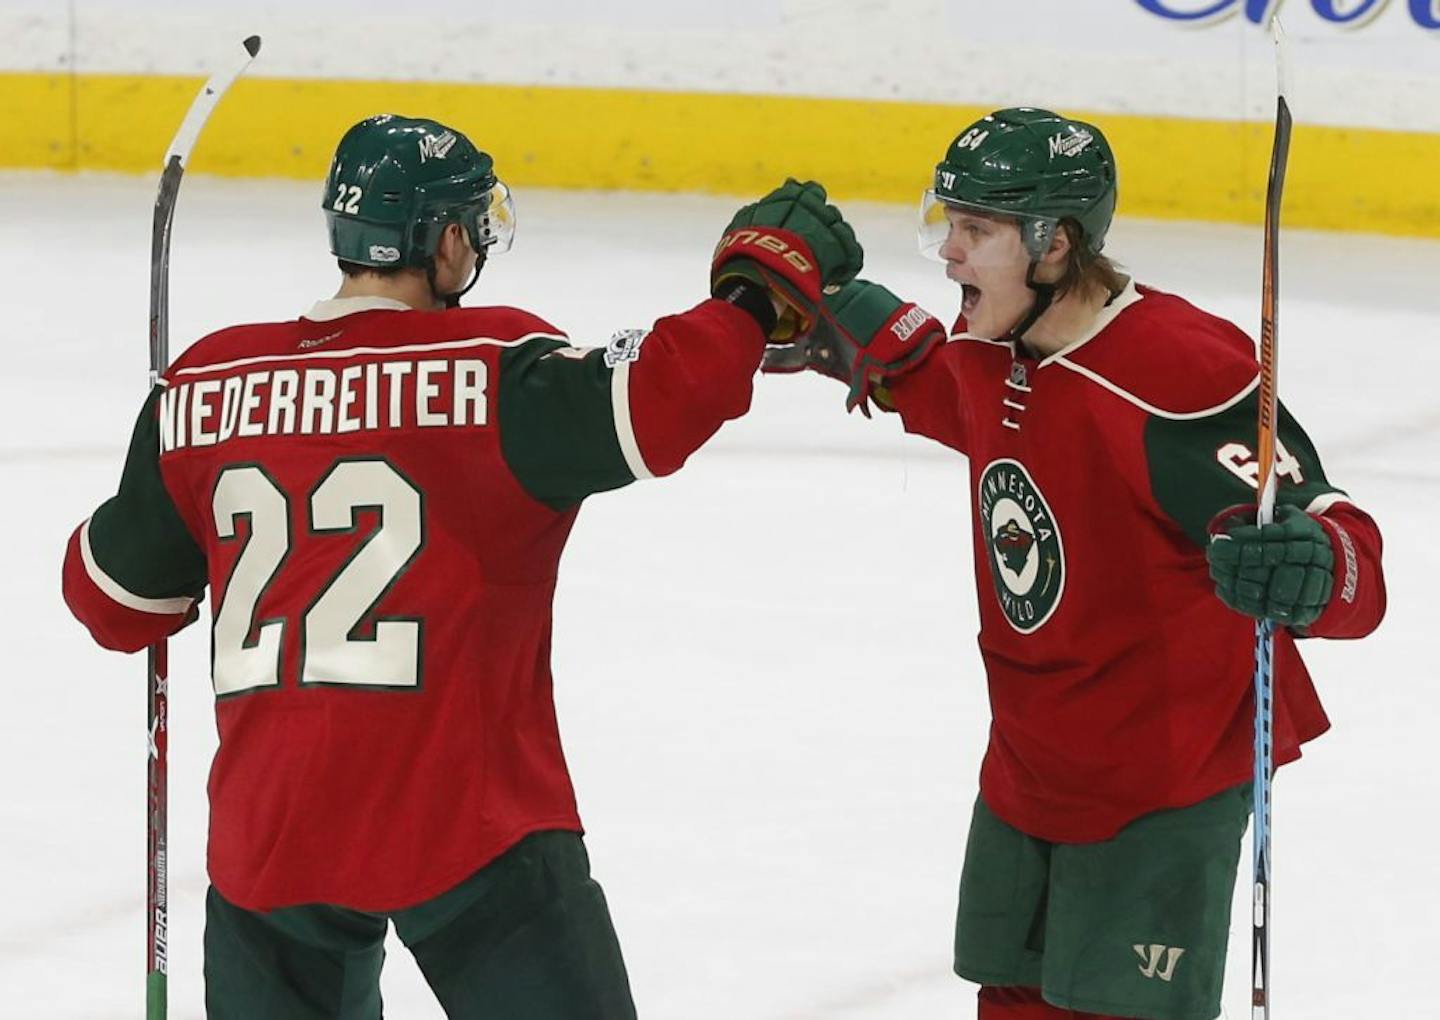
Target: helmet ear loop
430 279
473 236
1044 292
1044 297
453 300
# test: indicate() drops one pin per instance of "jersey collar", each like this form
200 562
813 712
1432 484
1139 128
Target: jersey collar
338 308
1108 314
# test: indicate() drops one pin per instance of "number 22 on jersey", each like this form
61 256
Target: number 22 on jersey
248 651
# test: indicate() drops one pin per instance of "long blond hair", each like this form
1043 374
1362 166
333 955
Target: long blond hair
1084 268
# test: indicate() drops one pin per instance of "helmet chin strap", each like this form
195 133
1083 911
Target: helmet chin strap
453 300
1044 296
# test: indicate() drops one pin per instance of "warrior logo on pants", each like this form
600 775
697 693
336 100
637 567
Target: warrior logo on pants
1027 557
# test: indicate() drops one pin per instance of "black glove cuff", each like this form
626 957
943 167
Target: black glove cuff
751 298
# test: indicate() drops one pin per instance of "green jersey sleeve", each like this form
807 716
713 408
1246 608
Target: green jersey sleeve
558 429
1200 466
137 537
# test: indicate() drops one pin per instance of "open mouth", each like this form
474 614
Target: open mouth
971 298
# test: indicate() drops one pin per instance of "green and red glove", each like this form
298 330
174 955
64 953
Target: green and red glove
865 336
794 244
1283 571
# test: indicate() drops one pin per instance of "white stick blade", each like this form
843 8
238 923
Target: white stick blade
206 101
1282 63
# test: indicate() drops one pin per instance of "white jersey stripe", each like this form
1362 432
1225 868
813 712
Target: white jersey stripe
1151 408
624 428
350 352
118 593
1322 503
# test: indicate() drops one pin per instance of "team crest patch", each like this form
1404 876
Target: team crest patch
624 346
1027 556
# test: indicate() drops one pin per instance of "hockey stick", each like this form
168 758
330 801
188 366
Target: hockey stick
1267 482
157 716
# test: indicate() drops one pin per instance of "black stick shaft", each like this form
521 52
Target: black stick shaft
157 902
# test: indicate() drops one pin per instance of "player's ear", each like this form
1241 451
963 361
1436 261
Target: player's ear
453 242
1059 247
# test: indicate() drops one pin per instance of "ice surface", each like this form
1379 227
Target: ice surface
765 666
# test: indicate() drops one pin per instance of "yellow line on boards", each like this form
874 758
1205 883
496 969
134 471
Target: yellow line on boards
1340 178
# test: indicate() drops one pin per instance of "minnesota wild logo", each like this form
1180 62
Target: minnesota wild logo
1027 557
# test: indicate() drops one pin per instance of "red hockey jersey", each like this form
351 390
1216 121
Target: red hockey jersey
1119 683
377 499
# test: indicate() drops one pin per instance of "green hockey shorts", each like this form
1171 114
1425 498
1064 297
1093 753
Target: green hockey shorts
1134 926
529 935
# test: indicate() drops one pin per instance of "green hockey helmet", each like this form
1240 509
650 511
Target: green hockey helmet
1034 165
395 183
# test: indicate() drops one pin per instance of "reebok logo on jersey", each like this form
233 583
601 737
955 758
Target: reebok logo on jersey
1158 961
1027 557
319 341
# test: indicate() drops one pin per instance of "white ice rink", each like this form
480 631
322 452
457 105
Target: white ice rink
765 666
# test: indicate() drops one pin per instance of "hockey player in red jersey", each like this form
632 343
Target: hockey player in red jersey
377 495
1108 428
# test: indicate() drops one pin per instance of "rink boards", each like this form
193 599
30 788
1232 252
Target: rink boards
648 95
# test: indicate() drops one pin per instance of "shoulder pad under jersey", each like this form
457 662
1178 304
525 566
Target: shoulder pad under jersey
1166 356
501 322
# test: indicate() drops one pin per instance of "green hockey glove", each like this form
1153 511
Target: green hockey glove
865 336
1283 571
794 244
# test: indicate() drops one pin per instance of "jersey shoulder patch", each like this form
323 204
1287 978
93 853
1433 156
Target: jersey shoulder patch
1169 358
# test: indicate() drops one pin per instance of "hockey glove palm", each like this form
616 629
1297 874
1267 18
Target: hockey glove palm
794 244
865 336
1283 571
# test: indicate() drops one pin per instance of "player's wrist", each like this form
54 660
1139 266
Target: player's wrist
864 336
751 297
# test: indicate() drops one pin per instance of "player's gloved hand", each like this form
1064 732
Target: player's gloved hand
794 244
1283 571
864 336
